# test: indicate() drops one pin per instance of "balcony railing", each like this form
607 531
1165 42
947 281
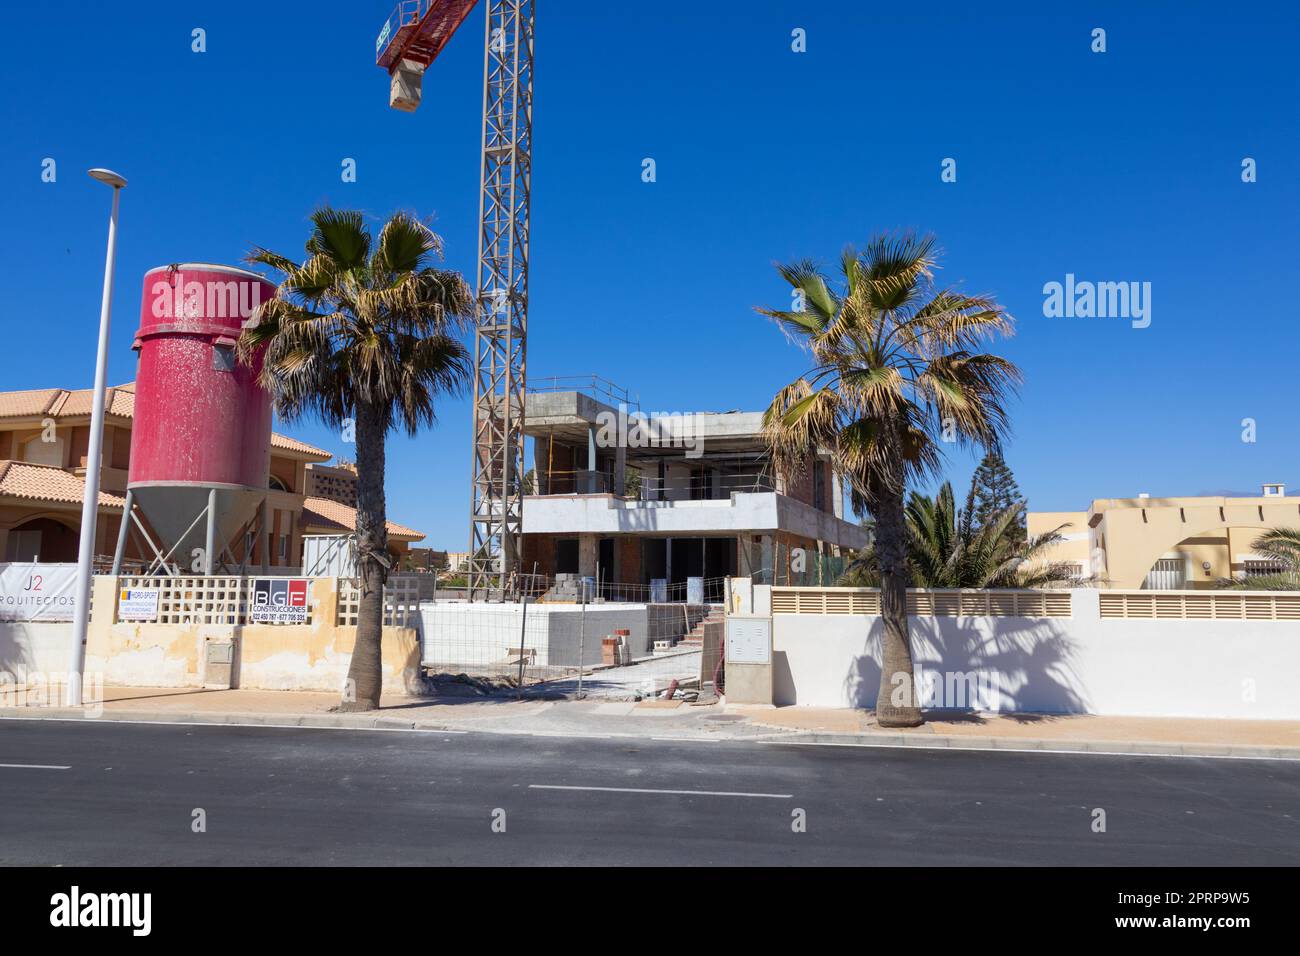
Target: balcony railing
593 386
570 483
644 488
718 488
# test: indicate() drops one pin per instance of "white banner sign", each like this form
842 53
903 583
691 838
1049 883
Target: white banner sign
37 592
279 601
137 604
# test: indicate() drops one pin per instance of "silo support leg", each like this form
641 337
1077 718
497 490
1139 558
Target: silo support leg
265 534
210 550
121 533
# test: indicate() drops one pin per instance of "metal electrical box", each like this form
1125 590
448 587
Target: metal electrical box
218 663
749 659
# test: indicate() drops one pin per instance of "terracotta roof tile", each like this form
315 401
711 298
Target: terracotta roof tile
330 515
26 404
286 443
20 479
59 402
123 401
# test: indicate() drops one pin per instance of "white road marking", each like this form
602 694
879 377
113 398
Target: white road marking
688 793
33 766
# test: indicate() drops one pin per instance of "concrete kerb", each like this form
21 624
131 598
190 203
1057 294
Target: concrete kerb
338 721
884 740
1031 745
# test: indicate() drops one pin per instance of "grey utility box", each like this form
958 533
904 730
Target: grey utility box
218 663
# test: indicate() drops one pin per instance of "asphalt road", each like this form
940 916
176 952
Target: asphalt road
317 797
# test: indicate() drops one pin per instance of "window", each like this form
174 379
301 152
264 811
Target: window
1168 574
819 484
1071 571
1259 567
284 548
38 451
24 546
223 358
566 556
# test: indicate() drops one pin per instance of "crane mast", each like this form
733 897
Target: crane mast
410 40
501 330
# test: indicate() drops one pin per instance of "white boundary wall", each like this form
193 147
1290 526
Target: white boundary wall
460 632
37 647
1081 664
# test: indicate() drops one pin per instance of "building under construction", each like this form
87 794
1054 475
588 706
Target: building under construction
654 500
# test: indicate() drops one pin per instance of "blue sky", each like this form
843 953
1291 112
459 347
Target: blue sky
1122 166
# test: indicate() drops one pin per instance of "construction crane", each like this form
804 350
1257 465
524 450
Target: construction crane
410 40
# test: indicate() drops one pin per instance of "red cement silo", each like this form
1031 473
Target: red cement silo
202 425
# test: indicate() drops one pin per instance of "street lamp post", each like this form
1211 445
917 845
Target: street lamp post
90 503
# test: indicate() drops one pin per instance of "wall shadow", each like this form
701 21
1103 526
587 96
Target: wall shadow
966 665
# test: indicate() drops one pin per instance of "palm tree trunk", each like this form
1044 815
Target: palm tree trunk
365 672
895 700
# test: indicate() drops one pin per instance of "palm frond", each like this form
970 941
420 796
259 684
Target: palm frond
341 235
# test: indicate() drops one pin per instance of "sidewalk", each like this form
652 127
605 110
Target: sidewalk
465 709
1049 731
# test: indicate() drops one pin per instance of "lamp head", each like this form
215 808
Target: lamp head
107 176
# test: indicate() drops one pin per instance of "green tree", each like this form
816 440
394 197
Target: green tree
949 547
895 365
366 332
995 490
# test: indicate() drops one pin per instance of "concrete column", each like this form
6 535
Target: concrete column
325 602
591 460
588 548
620 469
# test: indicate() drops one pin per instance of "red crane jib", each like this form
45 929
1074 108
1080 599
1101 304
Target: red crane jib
419 29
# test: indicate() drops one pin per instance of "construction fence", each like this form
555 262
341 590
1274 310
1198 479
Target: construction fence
795 566
609 649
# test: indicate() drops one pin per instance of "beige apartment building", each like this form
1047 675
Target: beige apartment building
44 440
337 482
1169 543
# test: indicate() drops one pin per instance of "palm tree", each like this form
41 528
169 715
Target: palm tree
1283 546
896 367
948 547
366 333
